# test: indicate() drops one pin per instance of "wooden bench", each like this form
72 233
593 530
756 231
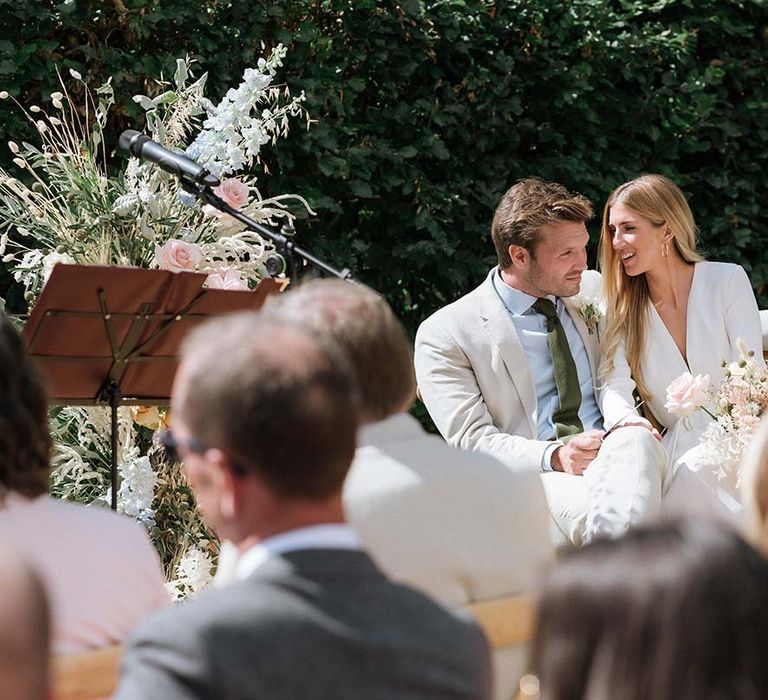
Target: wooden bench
86 676
507 622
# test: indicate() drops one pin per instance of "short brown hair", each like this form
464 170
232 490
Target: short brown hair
363 327
527 206
271 397
25 439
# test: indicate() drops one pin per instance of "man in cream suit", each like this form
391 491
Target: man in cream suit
458 525
267 432
510 369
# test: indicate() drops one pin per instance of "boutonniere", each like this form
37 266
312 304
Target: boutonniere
591 310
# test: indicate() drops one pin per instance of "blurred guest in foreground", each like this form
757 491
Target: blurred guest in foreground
754 486
267 433
24 631
101 572
675 612
459 525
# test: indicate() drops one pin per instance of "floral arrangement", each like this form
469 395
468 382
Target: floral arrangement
736 406
66 207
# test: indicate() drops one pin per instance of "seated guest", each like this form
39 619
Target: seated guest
267 433
677 611
754 484
24 632
458 525
101 572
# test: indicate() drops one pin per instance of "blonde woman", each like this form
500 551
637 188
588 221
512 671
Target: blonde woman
668 311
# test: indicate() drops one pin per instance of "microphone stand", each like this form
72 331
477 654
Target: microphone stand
286 248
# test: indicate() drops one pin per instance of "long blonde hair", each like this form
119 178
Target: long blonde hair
661 201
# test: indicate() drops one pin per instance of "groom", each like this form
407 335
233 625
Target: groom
511 369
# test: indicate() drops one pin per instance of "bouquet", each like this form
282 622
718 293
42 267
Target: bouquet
735 407
65 206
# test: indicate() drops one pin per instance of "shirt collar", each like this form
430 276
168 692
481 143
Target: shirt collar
329 536
517 302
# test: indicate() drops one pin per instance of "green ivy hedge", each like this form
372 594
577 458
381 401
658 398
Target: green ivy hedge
427 111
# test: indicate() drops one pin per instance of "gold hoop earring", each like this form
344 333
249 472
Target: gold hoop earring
665 249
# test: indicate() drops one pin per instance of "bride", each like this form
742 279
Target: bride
668 312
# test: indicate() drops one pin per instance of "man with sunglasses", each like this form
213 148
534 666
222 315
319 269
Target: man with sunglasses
265 421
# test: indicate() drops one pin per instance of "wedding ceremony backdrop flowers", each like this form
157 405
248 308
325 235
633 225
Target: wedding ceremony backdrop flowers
735 407
64 206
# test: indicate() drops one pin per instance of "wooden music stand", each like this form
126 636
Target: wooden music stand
110 335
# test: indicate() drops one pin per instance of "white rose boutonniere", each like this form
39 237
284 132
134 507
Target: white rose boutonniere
591 310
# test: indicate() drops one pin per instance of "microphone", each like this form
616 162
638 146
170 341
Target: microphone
141 146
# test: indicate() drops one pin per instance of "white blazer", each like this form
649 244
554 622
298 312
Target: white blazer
721 311
473 374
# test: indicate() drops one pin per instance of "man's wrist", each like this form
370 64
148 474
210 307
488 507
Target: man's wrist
549 462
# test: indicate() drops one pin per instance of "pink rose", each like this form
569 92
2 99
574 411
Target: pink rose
687 393
226 278
178 255
233 192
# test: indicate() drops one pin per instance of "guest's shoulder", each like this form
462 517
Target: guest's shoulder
94 523
195 617
435 619
434 461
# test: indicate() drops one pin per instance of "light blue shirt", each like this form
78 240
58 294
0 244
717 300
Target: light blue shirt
532 329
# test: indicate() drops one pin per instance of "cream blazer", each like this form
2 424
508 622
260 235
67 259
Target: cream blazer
473 374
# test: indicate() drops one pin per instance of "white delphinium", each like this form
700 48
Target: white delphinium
137 490
194 574
231 137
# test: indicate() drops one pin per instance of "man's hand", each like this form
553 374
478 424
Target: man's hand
575 456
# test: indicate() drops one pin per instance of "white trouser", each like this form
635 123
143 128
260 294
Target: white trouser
620 488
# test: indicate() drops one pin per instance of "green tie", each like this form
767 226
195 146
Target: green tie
566 418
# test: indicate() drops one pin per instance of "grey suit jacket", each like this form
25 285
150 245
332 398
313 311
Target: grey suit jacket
323 623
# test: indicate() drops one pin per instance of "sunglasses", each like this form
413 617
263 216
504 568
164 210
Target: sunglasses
173 445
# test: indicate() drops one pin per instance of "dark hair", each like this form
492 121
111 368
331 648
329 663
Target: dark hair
674 611
25 630
527 206
281 406
361 325
25 440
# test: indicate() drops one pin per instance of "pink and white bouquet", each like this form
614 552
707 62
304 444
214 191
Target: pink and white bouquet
735 406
